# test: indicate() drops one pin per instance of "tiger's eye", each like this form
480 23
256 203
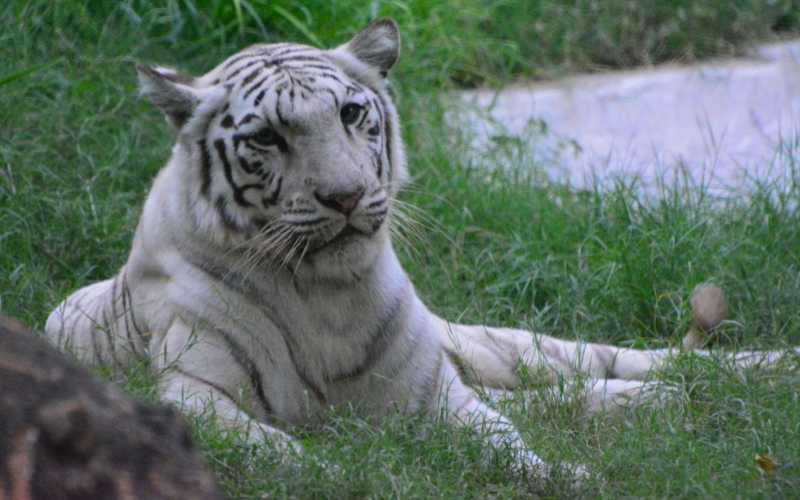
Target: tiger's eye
350 113
266 137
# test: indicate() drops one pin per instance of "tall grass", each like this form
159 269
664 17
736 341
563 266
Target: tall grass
78 151
462 42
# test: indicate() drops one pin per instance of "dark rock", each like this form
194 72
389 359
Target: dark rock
66 435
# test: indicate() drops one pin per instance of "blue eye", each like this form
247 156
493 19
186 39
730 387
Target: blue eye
350 113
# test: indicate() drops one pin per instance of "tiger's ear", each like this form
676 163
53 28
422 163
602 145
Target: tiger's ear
170 91
377 45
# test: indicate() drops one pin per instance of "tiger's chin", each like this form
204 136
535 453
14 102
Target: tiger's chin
345 258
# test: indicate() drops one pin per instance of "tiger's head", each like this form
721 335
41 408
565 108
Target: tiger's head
291 151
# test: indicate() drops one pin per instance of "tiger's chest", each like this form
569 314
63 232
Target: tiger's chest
341 337
331 344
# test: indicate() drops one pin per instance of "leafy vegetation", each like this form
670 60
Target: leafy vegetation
78 151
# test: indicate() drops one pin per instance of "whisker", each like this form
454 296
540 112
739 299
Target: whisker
288 257
302 255
268 247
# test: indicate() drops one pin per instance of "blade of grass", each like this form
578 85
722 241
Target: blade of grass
18 75
298 25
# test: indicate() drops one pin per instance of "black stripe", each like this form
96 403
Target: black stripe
290 59
273 200
375 164
364 116
379 213
78 314
209 383
333 94
381 339
382 118
246 166
239 58
310 222
242 68
305 67
247 118
97 322
431 387
325 74
226 219
238 192
380 110
303 86
112 348
115 316
127 306
205 169
387 130
136 327
249 366
376 203
241 284
261 82
253 74
494 345
260 96
375 159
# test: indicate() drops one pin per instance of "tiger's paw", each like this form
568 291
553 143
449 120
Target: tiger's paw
528 463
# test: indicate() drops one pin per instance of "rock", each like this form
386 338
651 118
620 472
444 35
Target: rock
66 435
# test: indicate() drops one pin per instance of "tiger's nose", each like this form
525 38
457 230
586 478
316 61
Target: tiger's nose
344 202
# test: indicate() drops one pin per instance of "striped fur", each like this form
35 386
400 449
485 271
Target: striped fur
262 279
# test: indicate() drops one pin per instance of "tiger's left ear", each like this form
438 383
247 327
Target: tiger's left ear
173 93
377 45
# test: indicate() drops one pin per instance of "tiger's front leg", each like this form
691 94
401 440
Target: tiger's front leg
461 406
203 370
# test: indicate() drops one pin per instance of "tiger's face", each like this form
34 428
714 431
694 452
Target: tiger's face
292 147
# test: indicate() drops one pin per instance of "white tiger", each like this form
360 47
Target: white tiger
262 279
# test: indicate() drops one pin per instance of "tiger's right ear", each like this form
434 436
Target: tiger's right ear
377 45
173 93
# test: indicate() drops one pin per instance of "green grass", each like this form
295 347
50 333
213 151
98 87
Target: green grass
78 151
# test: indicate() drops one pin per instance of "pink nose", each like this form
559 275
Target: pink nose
344 202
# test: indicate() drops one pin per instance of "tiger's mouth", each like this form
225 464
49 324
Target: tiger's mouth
344 237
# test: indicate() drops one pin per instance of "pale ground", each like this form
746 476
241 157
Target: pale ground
723 120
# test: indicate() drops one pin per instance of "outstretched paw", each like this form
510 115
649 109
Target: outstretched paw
528 463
